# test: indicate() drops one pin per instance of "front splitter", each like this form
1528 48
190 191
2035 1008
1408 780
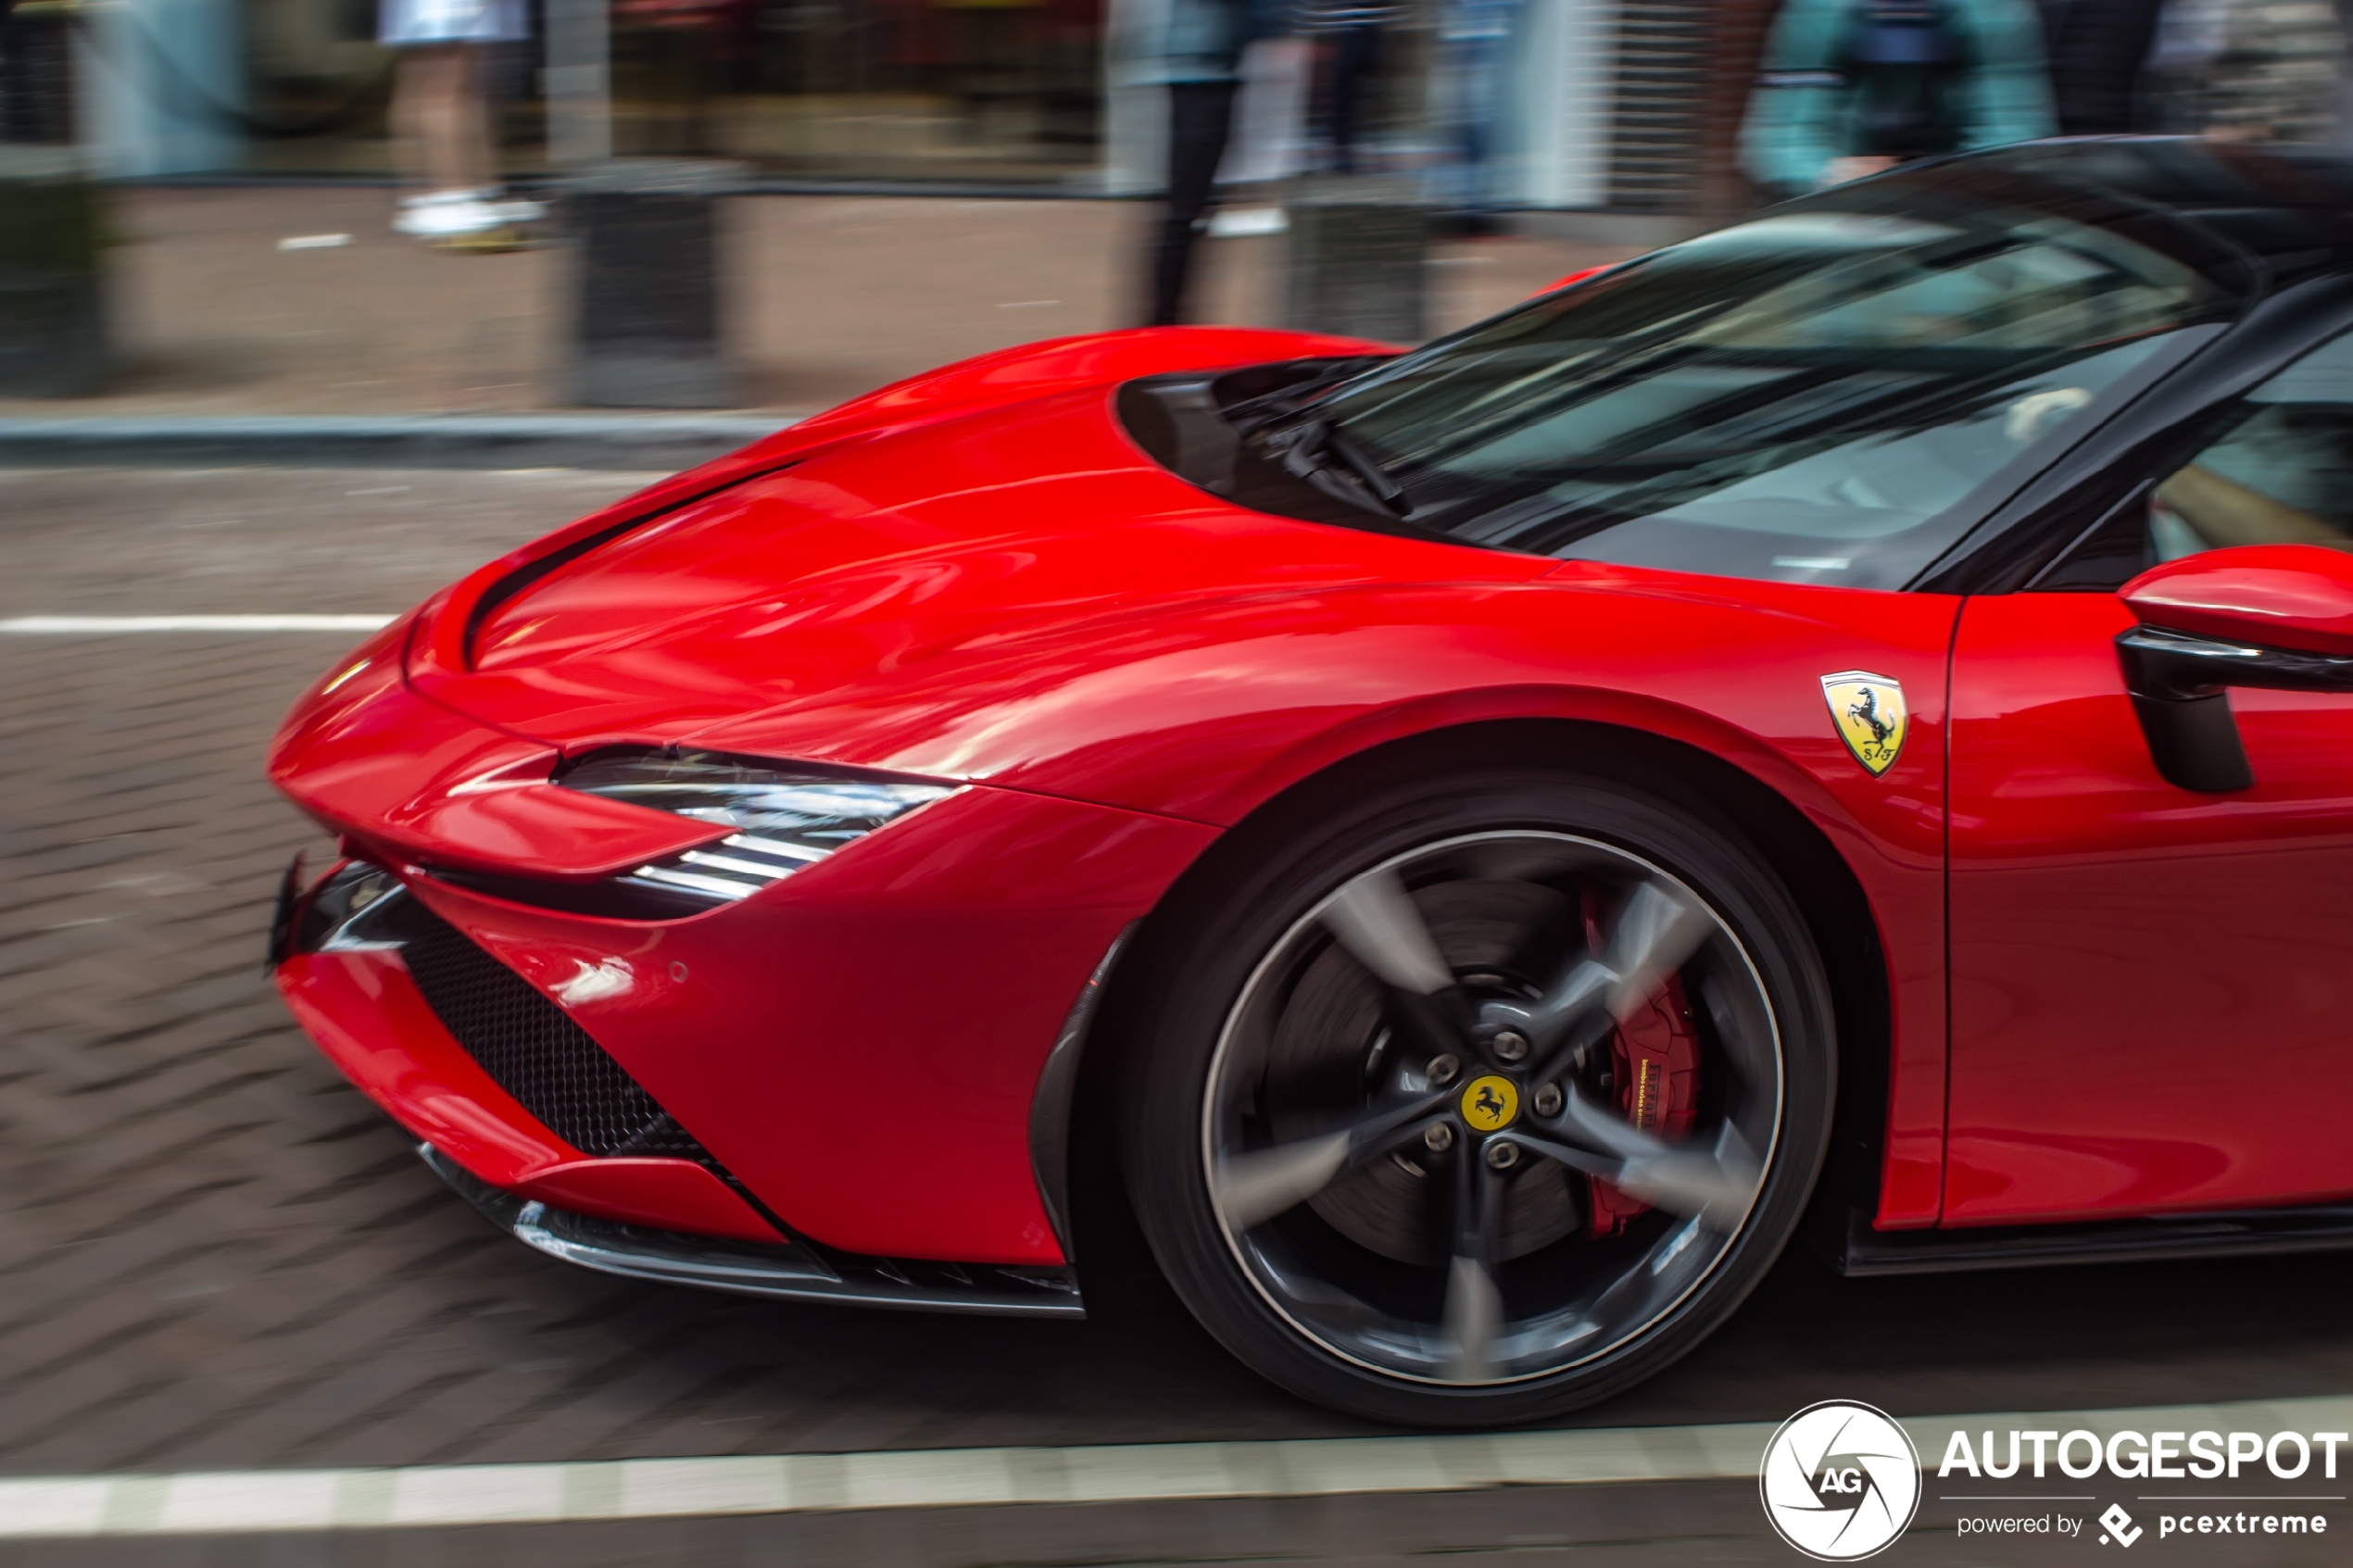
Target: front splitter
790 1271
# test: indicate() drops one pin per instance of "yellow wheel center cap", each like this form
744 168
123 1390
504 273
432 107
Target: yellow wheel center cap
1490 1103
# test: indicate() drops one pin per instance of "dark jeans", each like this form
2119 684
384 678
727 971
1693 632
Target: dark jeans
1354 58
1200 119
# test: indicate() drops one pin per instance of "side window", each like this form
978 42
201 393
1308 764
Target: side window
2282 474
2277 471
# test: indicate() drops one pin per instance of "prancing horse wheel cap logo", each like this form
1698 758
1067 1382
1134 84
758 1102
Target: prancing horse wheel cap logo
1490 1103
1840 1481
1870 715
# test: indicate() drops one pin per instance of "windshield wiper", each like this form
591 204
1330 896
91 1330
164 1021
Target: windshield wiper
1250 414
1331 461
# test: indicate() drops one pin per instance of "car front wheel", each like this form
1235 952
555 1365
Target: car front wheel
1483 1099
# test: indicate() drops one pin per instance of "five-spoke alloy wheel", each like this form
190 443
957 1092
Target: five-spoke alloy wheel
1485 1100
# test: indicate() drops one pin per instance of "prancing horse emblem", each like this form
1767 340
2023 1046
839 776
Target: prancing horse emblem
1870 715
1490 1102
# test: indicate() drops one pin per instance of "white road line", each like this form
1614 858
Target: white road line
256 1502
107 625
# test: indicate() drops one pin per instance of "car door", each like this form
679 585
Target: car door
2152 986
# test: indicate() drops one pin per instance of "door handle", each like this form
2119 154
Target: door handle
2180 684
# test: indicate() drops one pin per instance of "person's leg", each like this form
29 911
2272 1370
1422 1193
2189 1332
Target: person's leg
441 123
472 165
1201 119
1357 56
1483 77
413 75
1322 56
433 118
1454 111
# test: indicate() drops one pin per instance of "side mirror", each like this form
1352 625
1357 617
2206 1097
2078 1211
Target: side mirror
2277 615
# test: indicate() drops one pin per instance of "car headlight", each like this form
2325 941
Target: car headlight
784 818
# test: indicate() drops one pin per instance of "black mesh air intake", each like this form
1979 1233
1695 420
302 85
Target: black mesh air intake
533 1049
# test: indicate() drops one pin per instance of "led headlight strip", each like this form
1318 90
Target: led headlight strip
783 820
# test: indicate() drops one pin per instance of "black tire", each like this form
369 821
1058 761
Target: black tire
1239 970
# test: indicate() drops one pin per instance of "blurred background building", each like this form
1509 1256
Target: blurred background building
233 253
1626 106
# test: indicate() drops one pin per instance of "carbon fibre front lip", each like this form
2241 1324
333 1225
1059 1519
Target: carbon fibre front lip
789 1271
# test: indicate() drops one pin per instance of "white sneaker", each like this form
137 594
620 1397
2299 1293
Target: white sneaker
444 214
438 198
519 211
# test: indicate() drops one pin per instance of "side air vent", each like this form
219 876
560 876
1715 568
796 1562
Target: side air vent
533 1049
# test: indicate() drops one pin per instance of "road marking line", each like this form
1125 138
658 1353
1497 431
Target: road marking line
249 1502
106 625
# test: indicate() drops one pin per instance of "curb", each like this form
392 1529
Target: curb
666 441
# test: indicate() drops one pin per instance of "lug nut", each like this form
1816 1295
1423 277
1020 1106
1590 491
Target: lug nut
1547 1100
1502 1155
1511 1045
1438 1136
1441 1070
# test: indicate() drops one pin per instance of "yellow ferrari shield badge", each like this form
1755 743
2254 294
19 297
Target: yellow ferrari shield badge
1490 1103
1870 717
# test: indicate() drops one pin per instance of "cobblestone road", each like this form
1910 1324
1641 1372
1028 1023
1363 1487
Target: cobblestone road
215 1254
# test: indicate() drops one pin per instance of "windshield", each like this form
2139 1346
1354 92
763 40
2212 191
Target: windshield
1819 395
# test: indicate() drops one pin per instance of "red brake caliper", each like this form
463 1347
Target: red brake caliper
1654 1077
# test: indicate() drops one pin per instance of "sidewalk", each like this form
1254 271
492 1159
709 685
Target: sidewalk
832 296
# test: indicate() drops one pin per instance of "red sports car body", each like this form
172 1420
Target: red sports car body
2087 999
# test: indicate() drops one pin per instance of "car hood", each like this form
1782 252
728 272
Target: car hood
878 572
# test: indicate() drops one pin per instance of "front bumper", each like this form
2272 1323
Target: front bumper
363 1008
850 1057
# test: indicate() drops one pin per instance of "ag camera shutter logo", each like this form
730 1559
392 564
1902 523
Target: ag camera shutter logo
1840 1481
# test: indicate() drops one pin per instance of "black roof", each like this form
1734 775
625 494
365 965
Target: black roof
2287 209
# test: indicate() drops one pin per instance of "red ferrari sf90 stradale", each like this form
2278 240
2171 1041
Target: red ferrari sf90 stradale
1850 715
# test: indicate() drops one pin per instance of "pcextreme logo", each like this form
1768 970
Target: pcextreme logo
1839 1480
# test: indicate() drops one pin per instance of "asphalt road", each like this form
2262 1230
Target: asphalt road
214 1254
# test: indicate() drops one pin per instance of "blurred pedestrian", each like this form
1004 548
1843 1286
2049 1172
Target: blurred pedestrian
2274 78
1348 38
441 114
1852 87
2097 48
1473 40
1199 60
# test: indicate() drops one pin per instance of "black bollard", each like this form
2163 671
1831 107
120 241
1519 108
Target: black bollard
54 340
646 321
1358 250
